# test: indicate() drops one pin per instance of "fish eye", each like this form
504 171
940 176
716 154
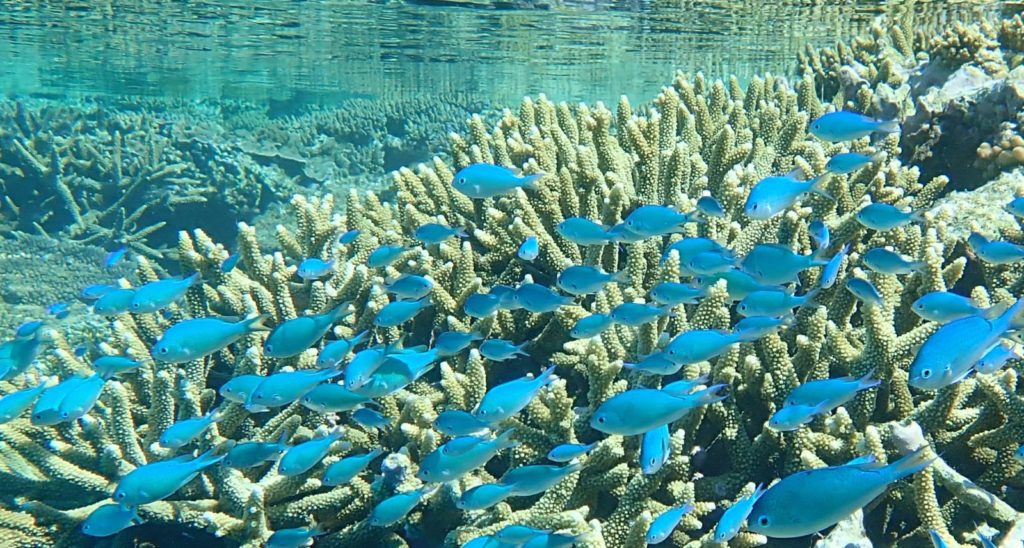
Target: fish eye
753 207
763 521
268 348
462 180
163 350
926 373
119 494
135 306
600 419
64 414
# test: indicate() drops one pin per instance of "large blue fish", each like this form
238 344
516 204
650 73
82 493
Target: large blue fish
335 352
453 342
637 314
666 522
735 516
456 422
885 261
479 181
314 268
435 233
655 449
507 399
184 431
283 388
807 502
539 299
441 466
160 294
656 220
944 307
641 410
591 326
15 403
114 303
332 398
848 162
254 453
845 125
773 195
159 480
385 255
703 344
394 509
881 216
833 392
301 457
483 497
343 471
410 286
197 338
675 293
584 280
949 354
777 264
529 249
110 519
398 312
294 336
536 478
583 231
773 303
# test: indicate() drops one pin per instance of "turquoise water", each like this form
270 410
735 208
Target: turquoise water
324 51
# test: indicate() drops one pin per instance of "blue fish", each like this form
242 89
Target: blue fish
845 125
830 272
529 249
238 389
831 392
159 480
29 329
735 516
1016 207
114 303
368 418
398 312
582 231
499 350
435 233
865 291
881 216
348 237
160 294
18 354
314 268
641 410
58 310
441 465
95 291
483 497
683 387
704 344
620 233
711 262
555 540
591 326
539 299
82 399
760 326
197 338
507 399
332 398
534 479
254 453
999 252
807 502
294 336
944 307
456 422
450 343
481 305
300 458
777 264
656 220
637 314
585 280
345 470
819 232
688 247
948 355
46 410
80 350
410 286
666 522
506 296
675 293
776 302
884 261
656 364
569 451
283 388
992 361
335 352
385 255
115 257
710 207
397 372
185 431
295 537
655 449
738 283
14 404
230 263
792 417
110 519
517 534
847 162
773 195
479 181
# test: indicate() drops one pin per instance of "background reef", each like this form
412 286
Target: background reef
83 175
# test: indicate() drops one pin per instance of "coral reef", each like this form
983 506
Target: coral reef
698 136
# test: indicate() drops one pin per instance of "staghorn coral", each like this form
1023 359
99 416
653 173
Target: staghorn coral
697 136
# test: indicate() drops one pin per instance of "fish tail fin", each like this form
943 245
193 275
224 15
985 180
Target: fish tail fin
504 440
218 414
1014 318
888 126
815 186
460 231
747 335
359 337
877 157
621 277
209 458
710 395
257 323
667 311
547 376
530 181
283 438
426 302
910 464
808 298
194 279
520 347
789 320
342 310
868 380
573 467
